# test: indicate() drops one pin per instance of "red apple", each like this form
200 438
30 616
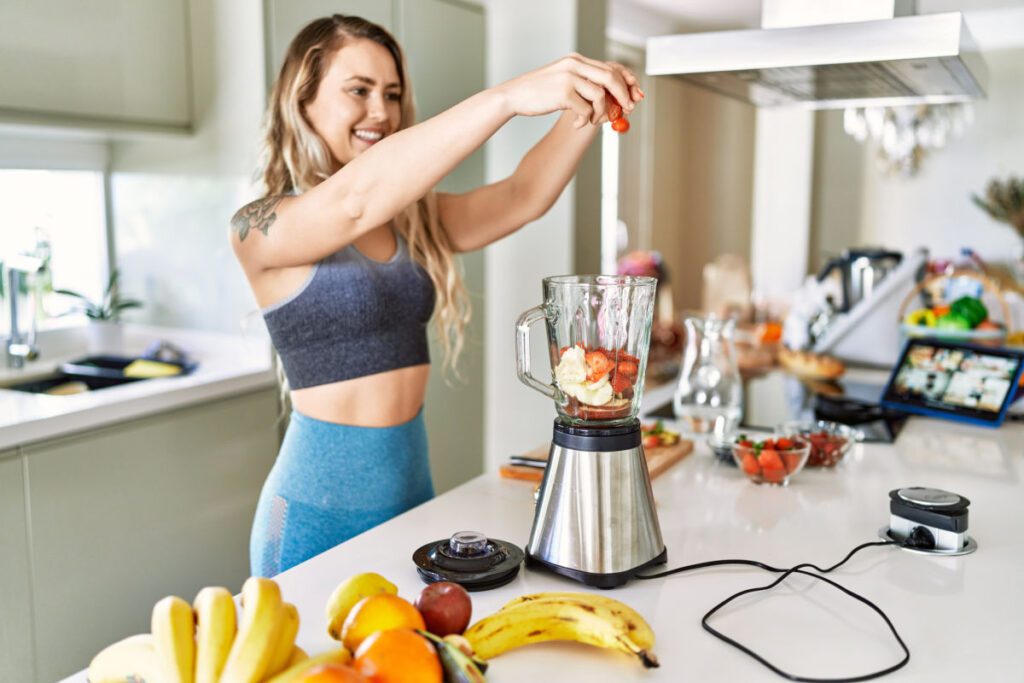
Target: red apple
446 608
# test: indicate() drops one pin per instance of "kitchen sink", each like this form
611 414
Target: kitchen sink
83 374
65 383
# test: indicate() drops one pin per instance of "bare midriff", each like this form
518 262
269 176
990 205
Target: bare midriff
385 399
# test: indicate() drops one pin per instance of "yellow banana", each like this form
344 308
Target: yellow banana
285 640
133 658
348 593
294 672
538 621
174 627
297 655
215 631
262 616
640 632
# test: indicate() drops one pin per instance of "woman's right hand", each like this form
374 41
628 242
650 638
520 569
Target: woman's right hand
574 83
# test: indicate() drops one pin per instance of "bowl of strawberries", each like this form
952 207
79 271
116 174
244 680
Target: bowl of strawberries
771 461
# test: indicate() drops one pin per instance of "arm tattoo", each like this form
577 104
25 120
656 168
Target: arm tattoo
257 215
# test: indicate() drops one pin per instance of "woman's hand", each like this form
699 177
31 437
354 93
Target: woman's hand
574 83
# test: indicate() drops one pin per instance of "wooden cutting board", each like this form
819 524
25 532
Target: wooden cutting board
658 460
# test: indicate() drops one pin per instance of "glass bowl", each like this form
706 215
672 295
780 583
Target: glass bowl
765 463
830 441
721 447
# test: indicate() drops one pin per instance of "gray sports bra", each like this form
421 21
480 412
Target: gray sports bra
353 317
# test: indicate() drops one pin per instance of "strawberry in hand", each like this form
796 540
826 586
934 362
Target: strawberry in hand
615 115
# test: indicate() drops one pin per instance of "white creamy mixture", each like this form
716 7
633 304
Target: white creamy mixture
571 376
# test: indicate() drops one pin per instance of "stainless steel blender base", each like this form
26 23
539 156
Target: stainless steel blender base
604 581
595 520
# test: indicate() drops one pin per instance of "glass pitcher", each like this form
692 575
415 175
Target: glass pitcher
599 332
709 395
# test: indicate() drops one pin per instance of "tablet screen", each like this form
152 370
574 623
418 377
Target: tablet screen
954 379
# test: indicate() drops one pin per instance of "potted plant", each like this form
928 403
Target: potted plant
103 315
1004 201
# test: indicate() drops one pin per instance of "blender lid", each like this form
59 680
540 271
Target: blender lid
469 559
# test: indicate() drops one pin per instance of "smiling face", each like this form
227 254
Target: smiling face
358 100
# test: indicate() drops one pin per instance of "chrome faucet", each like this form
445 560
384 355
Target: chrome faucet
20 348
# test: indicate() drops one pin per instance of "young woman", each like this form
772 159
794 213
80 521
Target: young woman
350 253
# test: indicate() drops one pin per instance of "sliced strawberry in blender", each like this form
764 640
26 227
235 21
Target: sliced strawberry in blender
627 368
598 365
620 383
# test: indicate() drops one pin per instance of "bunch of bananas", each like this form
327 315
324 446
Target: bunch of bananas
581 617
208 643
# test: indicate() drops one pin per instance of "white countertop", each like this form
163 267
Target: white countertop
961 617
228 364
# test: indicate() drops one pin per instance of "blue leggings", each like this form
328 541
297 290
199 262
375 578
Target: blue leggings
331 482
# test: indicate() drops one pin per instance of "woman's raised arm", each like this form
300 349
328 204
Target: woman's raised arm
378 184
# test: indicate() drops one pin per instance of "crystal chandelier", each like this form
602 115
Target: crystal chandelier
906 134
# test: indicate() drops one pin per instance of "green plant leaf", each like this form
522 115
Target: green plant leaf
68 292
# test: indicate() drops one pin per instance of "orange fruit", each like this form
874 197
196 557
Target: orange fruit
381 612
332 673
398 656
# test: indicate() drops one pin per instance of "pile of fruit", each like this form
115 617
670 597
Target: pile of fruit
384 638
966 313
598 381
366 609
396 641
770 461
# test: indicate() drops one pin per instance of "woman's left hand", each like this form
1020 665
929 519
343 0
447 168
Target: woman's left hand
632 85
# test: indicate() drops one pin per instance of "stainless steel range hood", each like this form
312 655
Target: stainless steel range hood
926 59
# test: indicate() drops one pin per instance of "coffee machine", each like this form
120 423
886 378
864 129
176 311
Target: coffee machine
595 520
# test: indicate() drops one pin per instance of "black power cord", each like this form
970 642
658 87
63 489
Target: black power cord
915 540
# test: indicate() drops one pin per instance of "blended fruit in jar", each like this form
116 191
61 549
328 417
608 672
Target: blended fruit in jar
598 382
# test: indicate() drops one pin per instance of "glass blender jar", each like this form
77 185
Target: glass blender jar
599 332
595 519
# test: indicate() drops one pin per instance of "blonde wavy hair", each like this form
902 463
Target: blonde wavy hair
295 158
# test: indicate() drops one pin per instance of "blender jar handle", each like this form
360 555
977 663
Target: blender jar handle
523 325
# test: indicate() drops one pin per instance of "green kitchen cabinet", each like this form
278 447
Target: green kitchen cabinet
110 64
125 514
15 581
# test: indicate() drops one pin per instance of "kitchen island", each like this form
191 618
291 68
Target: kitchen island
961 617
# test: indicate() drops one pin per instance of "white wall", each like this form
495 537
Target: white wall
173 198
522 36
855 204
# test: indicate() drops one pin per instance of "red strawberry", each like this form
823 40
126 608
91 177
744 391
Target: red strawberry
792 461
613 106
628 368
783 444
775 476
598 365
770 460
620 383
652 441
750 465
